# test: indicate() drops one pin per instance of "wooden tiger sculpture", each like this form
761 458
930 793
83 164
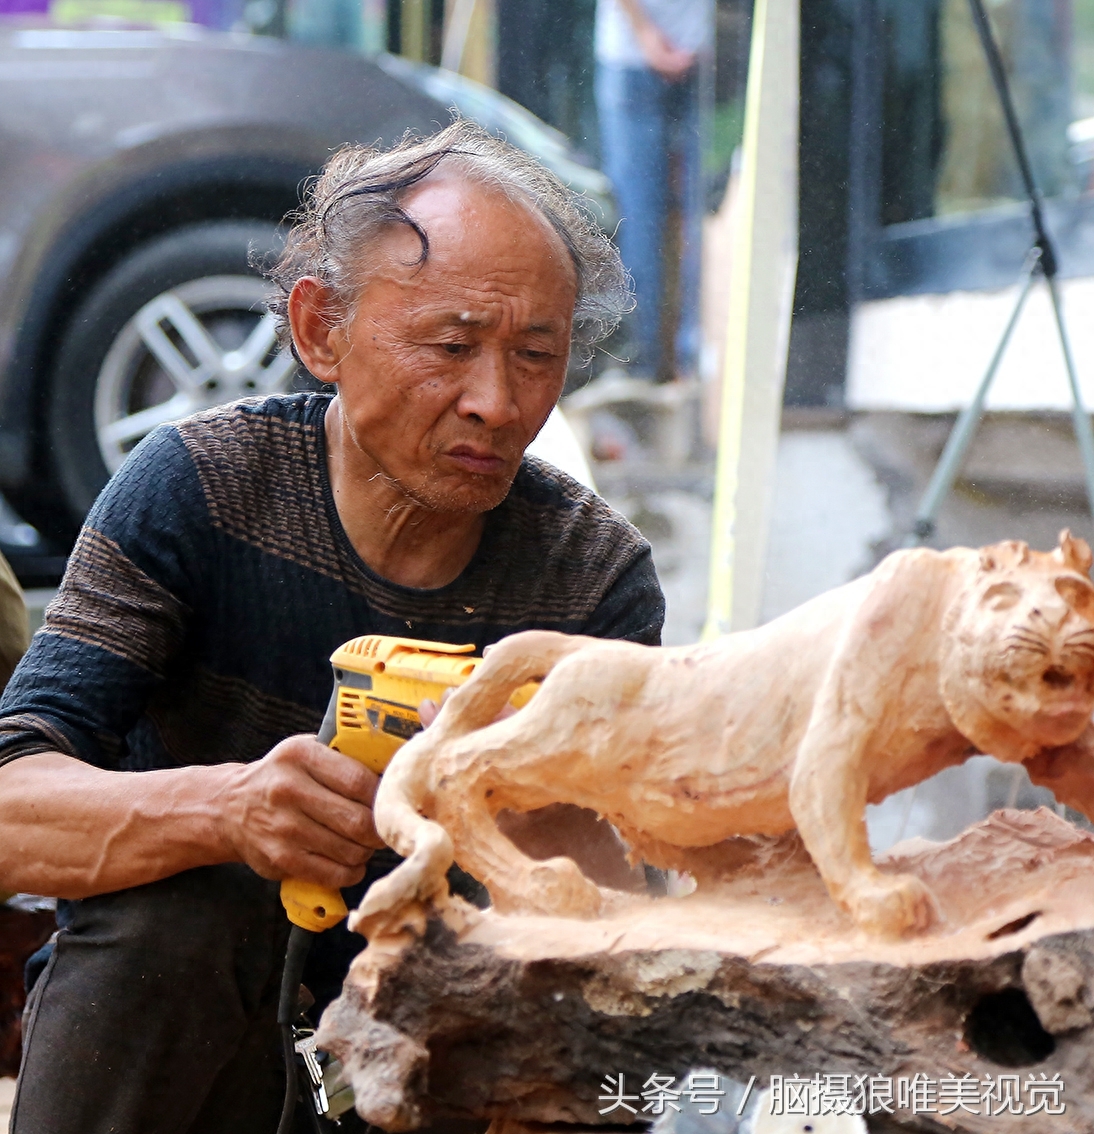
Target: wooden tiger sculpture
870 688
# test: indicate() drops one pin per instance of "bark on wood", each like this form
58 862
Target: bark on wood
521 1017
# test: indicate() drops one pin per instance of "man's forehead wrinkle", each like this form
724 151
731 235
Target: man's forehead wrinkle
448 204
473 272
449 317
462 298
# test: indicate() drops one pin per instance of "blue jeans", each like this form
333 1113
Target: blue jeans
645 121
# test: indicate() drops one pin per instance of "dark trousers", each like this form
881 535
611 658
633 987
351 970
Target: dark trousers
156 1013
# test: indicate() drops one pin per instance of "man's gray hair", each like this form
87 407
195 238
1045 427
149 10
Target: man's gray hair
359 193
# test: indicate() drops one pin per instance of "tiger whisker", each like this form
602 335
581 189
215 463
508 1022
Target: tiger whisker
1028 640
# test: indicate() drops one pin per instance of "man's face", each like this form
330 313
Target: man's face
447 370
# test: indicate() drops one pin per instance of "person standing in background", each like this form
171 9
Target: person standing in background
647 94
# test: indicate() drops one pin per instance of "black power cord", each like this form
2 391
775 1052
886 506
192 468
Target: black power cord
288 1009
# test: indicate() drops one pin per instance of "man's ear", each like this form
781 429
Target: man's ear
313 319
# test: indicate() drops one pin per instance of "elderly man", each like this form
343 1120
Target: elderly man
154 762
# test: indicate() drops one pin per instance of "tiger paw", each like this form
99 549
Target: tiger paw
892 905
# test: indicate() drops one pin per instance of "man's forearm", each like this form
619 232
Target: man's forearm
637 15
70 830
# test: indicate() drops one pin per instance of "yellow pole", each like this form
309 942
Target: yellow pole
413 29
764 263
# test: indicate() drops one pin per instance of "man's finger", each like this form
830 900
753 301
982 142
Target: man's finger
307 866
342 817
427 712
340 773
312 836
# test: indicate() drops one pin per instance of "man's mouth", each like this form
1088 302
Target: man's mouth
476 460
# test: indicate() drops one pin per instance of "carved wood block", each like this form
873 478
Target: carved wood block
522 1017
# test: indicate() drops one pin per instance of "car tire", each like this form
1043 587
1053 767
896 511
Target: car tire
177 326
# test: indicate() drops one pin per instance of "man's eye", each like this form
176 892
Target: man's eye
453 348
537 355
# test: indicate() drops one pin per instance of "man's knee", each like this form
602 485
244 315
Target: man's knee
214 930
205 907
175 975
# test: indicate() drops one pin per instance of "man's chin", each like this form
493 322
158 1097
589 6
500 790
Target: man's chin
471 494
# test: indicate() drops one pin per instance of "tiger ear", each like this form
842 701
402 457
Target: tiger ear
1074 553
1009 553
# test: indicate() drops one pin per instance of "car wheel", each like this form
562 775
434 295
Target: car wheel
180 325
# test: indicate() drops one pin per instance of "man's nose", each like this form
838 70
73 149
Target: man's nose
488 393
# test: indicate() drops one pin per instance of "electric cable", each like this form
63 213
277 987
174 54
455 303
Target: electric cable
296 953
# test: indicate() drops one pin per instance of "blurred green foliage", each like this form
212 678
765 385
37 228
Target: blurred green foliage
726 131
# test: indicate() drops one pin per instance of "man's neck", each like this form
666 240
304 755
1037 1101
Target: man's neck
398 538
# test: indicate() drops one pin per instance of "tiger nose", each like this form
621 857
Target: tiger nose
1051 608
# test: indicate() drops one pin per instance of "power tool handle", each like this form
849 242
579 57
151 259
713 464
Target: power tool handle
329 727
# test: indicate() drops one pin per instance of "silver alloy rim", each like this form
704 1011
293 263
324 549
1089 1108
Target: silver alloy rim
201 344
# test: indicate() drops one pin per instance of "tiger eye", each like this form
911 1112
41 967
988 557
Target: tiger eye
1002 596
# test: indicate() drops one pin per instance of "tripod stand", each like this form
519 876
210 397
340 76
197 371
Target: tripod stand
1041 262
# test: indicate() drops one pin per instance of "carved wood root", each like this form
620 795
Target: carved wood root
522 1017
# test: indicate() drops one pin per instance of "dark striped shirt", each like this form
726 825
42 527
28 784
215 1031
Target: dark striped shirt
213 580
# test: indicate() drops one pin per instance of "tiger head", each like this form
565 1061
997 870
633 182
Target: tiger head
1019 644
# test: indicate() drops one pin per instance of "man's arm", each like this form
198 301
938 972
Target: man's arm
72 822
633 608
71 830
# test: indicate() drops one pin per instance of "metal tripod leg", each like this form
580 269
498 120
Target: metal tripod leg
1084 433
957 444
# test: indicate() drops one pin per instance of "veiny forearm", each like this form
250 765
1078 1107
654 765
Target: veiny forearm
70 830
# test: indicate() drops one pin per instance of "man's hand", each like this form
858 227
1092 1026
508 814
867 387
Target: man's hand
302 811
428 710
661 54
